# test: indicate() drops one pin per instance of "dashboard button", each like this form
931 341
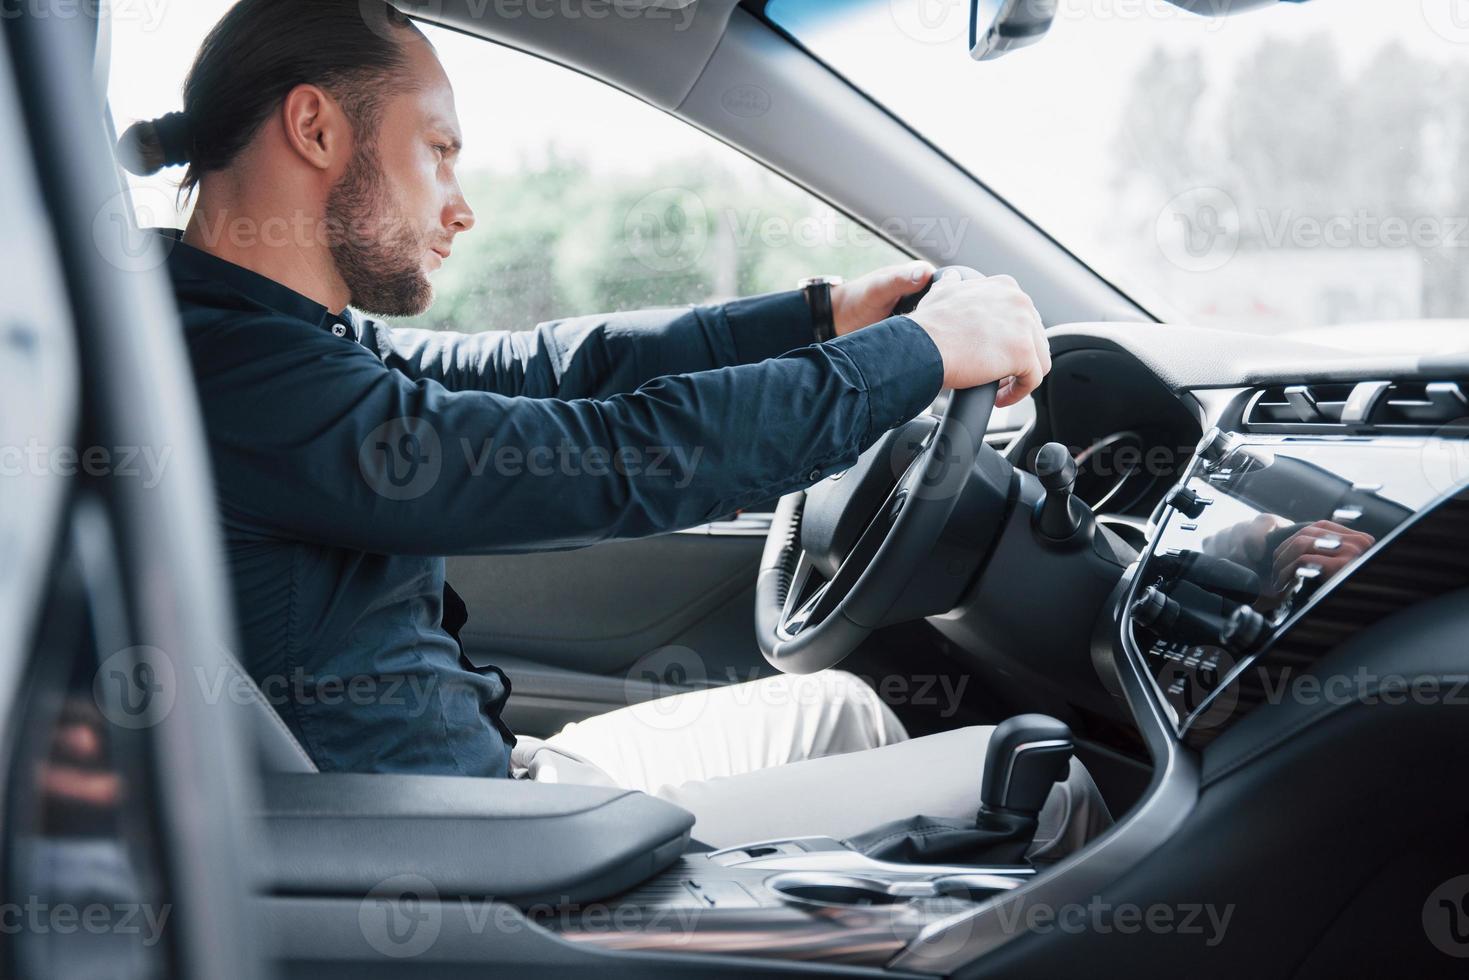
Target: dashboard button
1185 501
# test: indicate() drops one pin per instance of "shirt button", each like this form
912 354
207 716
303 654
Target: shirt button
339 330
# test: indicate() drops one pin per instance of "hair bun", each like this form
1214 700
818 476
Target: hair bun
149 146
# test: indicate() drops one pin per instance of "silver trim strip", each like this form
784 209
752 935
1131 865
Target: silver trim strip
754 524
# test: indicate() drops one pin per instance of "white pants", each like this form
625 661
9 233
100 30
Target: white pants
793 756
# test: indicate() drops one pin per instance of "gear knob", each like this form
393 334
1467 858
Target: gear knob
1027 754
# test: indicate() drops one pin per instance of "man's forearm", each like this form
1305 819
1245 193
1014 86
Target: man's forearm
602 355
440 472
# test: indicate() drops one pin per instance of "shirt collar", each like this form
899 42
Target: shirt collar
187 263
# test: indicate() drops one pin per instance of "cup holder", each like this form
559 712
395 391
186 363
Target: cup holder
972 888
832 890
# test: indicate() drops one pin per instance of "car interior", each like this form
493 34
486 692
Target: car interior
1280 748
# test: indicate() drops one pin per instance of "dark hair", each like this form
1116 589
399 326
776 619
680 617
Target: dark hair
250 60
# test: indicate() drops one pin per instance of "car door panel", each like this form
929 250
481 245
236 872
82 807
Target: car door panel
583 632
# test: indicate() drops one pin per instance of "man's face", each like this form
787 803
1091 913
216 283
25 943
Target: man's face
397 207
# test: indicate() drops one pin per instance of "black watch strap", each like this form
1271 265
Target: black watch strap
817 291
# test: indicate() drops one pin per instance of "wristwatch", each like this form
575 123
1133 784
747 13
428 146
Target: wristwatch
817 291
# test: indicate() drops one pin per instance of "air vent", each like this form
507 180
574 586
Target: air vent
1420 404
1386 406
1297 405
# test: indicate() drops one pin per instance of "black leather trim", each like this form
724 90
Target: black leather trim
344 834
1423 644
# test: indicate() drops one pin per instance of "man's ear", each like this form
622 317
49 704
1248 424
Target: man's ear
316 127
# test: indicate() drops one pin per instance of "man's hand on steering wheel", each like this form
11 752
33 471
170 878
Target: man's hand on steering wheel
986 329
838 557
871 298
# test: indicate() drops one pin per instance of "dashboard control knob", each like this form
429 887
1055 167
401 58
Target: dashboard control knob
1215 445
1243 630
1186 502
1149 606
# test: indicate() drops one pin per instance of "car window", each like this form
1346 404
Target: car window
586 198
1298 166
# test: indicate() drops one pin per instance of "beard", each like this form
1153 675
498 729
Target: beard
377 253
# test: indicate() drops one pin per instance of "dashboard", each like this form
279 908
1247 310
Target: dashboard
1273 520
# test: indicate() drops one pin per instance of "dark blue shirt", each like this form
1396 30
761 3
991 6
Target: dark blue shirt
349 456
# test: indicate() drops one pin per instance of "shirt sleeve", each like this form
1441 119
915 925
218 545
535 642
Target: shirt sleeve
314 438
599 356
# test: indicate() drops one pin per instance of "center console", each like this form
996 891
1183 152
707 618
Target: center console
1280 541
810 898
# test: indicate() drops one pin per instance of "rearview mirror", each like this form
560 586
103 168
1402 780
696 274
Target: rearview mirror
998 27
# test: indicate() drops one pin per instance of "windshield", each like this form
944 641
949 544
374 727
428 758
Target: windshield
1303 165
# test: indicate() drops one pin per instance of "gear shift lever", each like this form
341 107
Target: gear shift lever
1026 756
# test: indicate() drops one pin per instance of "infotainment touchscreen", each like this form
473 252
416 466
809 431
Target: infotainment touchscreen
1259 525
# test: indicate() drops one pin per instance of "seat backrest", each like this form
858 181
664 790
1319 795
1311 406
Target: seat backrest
279 751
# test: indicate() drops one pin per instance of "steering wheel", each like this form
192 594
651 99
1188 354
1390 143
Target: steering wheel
867 556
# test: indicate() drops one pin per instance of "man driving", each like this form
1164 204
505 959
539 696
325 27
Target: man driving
321 139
